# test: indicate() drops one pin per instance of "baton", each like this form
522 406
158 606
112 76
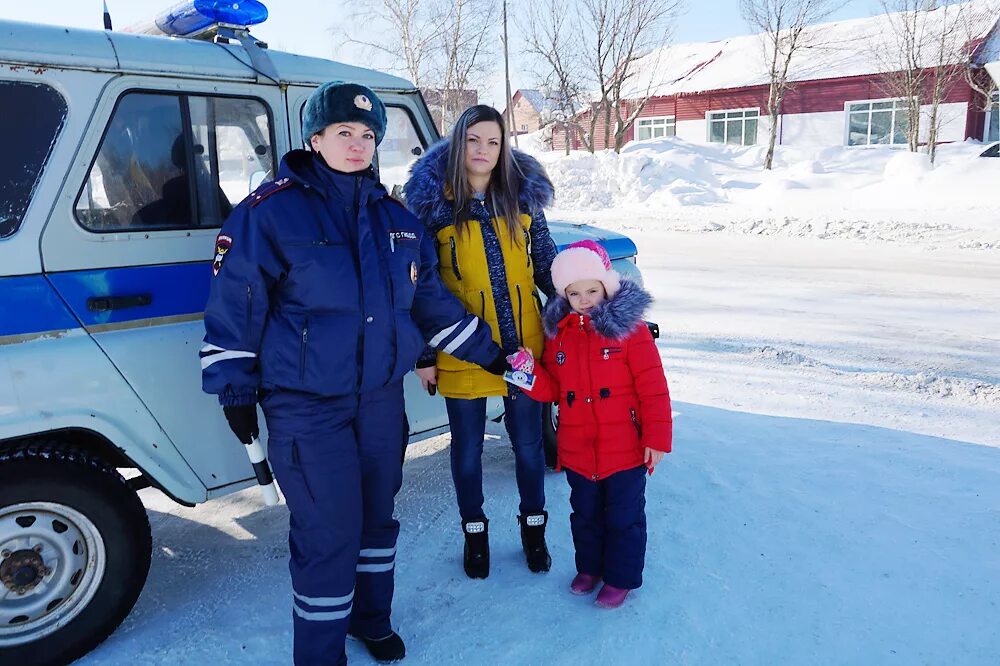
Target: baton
262 471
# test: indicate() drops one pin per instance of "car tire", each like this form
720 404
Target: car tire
75 547
550 423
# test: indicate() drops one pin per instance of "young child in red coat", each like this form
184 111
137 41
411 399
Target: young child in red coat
601 365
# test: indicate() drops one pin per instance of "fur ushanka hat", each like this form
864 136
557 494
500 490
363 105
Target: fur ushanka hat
342 102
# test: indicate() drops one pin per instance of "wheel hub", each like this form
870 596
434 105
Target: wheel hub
22 571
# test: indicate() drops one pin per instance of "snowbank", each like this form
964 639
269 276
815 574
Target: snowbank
885 194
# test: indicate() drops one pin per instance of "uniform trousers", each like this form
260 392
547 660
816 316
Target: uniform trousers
338 463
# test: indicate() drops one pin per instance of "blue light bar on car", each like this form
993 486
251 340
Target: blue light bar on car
194 16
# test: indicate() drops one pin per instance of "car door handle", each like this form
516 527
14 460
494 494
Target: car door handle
107 303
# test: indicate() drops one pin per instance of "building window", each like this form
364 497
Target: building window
876 123
738 127
993 118
524 128
654 128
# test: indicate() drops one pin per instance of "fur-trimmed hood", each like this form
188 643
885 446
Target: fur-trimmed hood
615 318
425 189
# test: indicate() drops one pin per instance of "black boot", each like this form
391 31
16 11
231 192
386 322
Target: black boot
477 548
384 650
533 540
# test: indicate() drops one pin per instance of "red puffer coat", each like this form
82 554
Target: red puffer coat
605 372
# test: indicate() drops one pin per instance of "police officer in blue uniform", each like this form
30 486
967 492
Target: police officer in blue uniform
324 292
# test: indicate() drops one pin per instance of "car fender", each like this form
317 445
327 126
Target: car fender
31 365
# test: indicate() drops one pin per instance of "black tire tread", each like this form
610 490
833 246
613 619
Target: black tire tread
127 502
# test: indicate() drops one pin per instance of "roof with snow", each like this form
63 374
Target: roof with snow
537 99
856 47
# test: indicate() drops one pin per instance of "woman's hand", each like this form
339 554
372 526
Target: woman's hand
428 378
652 457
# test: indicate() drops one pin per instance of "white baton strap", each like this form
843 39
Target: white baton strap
258 458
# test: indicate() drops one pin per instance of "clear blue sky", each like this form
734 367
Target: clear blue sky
304 26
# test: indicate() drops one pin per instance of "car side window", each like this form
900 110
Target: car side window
175 162
400 147
33 115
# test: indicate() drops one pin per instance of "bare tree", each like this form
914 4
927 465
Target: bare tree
617 34
950 61
411 33
783 25
550 35
463 50
930 50
975 75
902 58
439 44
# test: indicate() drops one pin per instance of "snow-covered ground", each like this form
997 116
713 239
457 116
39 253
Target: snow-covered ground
876 194
833 496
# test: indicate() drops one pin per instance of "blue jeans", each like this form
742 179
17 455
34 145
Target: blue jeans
523 420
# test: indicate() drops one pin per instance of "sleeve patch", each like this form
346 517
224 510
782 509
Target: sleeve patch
222 245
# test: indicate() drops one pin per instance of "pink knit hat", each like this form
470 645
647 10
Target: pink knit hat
584 260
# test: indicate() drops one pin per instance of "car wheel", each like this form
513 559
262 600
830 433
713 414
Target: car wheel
75 548
550 423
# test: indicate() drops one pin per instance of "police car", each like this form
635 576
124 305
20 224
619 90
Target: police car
123 155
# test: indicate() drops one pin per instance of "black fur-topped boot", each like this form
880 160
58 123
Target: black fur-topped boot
477 548
533 541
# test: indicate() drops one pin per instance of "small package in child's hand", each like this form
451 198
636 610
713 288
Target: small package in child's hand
520 379
523 360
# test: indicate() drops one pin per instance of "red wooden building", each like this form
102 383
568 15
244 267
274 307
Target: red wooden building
717 91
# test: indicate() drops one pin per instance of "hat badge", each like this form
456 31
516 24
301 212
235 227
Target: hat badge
362 102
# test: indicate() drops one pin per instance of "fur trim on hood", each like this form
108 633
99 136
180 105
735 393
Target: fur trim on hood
425 189
615 318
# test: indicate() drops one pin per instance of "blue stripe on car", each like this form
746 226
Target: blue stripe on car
32 304
175 289
29 304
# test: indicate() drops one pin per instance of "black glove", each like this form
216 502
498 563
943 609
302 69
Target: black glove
498 365
243 421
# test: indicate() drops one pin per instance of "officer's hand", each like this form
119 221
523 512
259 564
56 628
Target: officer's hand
498 365
428 378
243 421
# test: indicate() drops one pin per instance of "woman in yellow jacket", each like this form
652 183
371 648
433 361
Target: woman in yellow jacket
484 202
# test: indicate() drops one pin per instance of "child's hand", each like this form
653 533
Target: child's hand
652 458
523 360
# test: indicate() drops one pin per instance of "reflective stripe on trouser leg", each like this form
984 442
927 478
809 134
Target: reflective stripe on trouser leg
314 456
381 436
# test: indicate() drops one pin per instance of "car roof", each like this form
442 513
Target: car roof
38 45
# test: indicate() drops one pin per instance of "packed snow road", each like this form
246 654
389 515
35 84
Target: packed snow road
833 496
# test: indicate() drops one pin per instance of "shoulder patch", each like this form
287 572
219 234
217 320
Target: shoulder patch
266 190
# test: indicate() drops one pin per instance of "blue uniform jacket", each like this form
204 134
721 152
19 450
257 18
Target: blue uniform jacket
324 284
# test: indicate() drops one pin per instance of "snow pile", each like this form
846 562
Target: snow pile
907 168
878 194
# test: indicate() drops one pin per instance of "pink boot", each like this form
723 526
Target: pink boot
611 596
584 584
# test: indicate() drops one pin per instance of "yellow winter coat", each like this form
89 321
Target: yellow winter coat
465 272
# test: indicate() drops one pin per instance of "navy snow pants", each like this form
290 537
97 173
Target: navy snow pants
609 525
338 464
